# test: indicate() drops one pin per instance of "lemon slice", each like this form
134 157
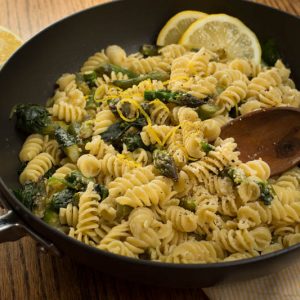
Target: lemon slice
176 26
9 43
225 35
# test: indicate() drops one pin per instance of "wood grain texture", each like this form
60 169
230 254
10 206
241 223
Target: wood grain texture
25 273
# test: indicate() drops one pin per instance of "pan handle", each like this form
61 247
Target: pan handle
12 228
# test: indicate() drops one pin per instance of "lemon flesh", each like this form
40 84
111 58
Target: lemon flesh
9 43
176 26
225 35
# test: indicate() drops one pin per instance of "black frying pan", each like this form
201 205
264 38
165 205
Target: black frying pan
29 77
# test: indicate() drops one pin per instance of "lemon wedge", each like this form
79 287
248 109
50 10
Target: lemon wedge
176 26
9 43
225 35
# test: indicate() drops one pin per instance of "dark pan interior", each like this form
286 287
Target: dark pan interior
30 75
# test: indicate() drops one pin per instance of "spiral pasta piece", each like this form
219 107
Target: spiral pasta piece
257 168
152 193
233 95
69 215
182 219
263 81
99 148
172 51
116 55
228 76
67 83
159 112
216 160
117 233
160 134
36 168
201 88
147 65
253 214
52 147
141 223
115 165
68 112
243 240
135 177
103 120
32 146
94 62
245 66
193 252
88 165
88 211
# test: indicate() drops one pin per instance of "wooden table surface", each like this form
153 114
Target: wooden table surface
26 273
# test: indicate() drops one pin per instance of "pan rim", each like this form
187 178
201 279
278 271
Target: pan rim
157 264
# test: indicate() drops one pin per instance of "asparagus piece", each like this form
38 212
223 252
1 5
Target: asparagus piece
165 164
127 83
68 144
179 98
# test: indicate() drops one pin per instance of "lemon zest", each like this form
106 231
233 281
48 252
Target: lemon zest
159 103
151 132
170 134
128 160
134 103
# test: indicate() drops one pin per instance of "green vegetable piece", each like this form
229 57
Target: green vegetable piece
61 124
165 164
149 50
31 193
179 98
206 111
112 104
82 85
188 204
50 172
270 53
123 211
33 118
235 175
102 191
116 131
90 77
206 147
51 217
64 138
90 102
68 144
107 69
127 83
133 142
266 192
74 129
62 199
77 181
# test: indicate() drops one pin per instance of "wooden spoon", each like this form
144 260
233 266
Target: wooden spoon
270 134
